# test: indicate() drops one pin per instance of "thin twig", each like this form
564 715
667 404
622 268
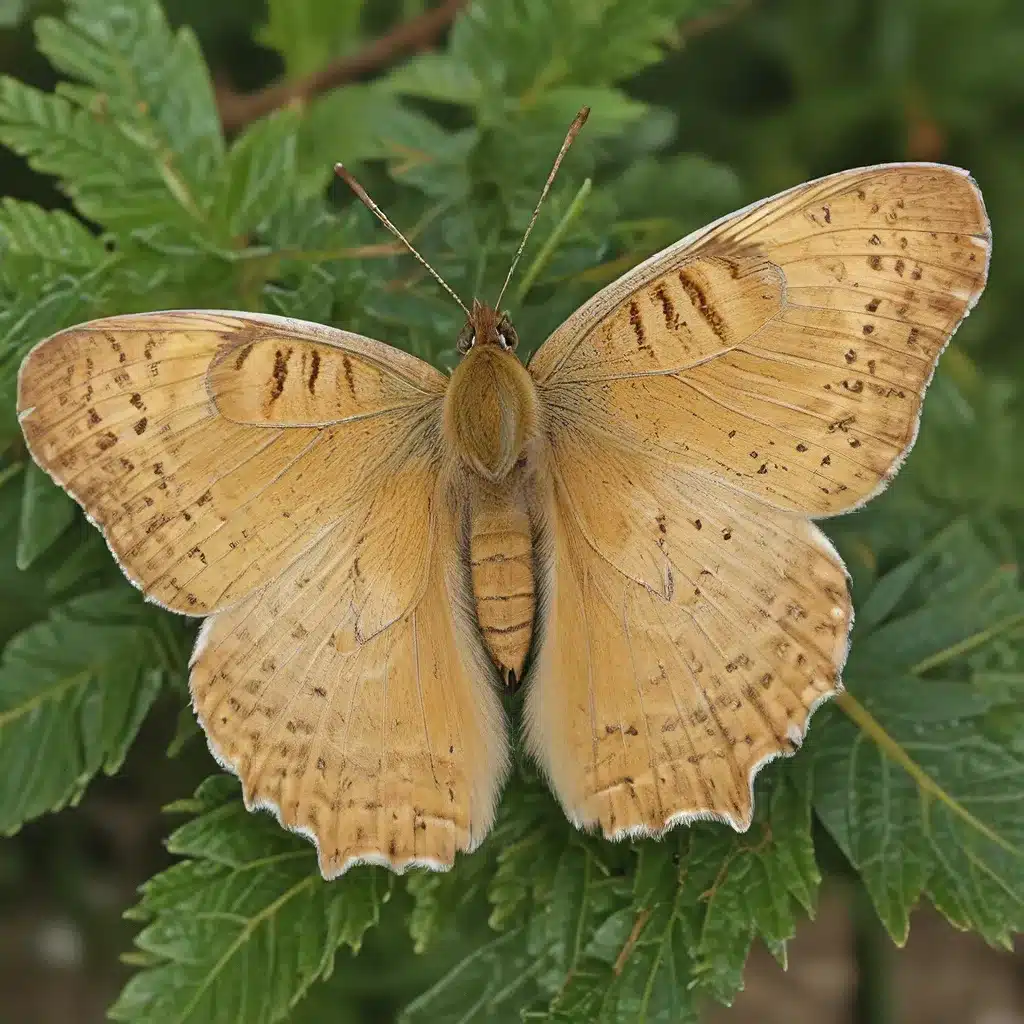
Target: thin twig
237 110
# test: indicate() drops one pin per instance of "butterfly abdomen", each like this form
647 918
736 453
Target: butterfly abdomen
501 560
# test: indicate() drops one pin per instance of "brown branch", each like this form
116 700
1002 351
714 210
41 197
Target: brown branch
239 109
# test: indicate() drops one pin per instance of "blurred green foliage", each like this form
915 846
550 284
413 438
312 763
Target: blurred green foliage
698 107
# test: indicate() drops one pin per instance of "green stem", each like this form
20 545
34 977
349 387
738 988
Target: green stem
872 952
548 248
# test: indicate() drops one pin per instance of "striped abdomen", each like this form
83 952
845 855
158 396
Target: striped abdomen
501 557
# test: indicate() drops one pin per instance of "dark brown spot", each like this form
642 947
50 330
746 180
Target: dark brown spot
280 373
136 400
912 337
871 366
828 214
321 764
204 498
698 524
801 447
875 262
319 691
700 302
660 520
873 305
140 427
915 274
868 329
667 307
875 240
347 363
314 372
242 356
900 267
732 433
854 443
827 461
631 731
727 534
94 417
637 322
851 356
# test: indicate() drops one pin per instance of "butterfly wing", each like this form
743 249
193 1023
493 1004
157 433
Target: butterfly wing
768 368
211 448
288 477
389 751
786 347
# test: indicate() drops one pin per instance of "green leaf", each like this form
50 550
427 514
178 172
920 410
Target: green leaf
259 174
435 76
307 33
46 512
114 179
244 924
914 784
50 235
491 984
73 692
143 75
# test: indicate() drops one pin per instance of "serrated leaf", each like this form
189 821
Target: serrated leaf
435 76
46 512
490 984
127 53
912 783
244 925
259 173
53 236
73 692
307 33
113 179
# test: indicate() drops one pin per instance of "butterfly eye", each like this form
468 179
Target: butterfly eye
503 341
466 339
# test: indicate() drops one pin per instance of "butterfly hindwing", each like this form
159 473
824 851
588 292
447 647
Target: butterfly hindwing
651 705
388 750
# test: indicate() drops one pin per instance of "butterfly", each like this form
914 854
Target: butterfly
626 521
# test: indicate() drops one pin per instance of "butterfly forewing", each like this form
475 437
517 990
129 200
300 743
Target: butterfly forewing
812 407
693 616
200 509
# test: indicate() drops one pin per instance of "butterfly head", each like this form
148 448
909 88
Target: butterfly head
486 326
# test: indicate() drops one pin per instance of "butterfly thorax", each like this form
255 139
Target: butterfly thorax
490 418
490 409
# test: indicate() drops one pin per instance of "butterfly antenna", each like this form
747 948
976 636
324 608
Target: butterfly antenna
342 172
574 129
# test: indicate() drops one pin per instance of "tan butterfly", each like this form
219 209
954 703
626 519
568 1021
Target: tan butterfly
627 519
